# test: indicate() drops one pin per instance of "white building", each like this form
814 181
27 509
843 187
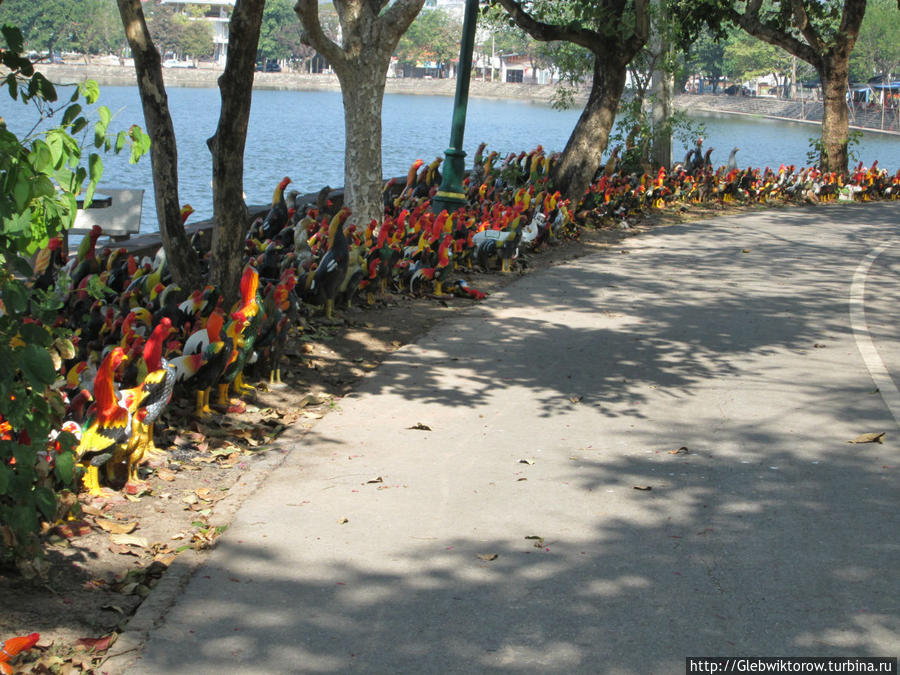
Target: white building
218 14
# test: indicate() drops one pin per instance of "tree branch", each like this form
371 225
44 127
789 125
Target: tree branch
773 36
638 39
546 32
397 19
805 26
308 13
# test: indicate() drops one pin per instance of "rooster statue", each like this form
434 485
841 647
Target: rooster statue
333 267
108 424
147 401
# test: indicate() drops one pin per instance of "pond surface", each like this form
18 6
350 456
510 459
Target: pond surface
301 134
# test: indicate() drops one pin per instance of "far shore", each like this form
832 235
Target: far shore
207 77
807 111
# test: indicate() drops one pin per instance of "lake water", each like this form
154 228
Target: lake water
301 135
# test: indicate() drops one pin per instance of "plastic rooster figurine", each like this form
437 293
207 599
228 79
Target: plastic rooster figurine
13 647
243 329
147 401
439 273
333 267
108 422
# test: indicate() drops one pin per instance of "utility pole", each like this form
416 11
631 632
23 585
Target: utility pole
450 195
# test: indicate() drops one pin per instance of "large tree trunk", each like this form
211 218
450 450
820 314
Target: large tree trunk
370 30
182 258
582 155
362 96
227 147
829 53
661 150
835 116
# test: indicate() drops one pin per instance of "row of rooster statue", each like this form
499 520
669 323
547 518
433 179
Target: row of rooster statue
147 335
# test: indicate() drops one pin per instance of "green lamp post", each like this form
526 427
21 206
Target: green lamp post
451 195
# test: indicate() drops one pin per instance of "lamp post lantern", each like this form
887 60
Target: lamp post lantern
451 195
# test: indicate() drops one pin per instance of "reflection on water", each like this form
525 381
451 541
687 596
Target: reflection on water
301 135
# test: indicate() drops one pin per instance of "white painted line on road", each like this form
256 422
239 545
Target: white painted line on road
886 387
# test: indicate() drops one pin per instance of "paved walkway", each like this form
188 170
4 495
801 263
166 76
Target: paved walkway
546 520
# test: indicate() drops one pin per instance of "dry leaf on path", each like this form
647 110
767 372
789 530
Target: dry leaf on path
420 427
679 451
642 487
122 549
116 527
375 480
869 438
343 521
129 540
526 461
538 541
487 557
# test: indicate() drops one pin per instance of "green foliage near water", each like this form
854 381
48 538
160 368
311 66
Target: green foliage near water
42 175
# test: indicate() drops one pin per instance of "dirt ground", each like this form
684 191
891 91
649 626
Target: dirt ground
102 566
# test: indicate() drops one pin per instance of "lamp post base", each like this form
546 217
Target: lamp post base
451 194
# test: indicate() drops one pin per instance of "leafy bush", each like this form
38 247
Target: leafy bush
42 177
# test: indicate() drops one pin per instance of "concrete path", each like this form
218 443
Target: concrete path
546 520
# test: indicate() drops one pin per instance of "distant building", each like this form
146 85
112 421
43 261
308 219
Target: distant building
218 14
455 8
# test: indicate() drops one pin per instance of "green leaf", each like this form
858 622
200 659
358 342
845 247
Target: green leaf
121 139
48 91
35 334
23 520
13 85
65 464
36 365
41 157
105 115
45 499
96 167
70 114
79 124
14 38
5 476
90 90
20 266
22 194
15 297
43 187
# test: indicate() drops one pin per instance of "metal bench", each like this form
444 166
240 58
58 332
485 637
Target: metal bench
116 211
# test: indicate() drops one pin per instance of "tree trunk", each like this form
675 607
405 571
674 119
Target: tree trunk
227 148
362 94
369 35
835 117
661 151
182 258
582 155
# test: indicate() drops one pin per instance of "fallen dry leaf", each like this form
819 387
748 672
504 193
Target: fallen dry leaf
116 527
576 399
122 549
166 475
526 461
343 521
869 438
96 644
488 556
420 427
679 451
129 540
642 487
375 480
538 541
